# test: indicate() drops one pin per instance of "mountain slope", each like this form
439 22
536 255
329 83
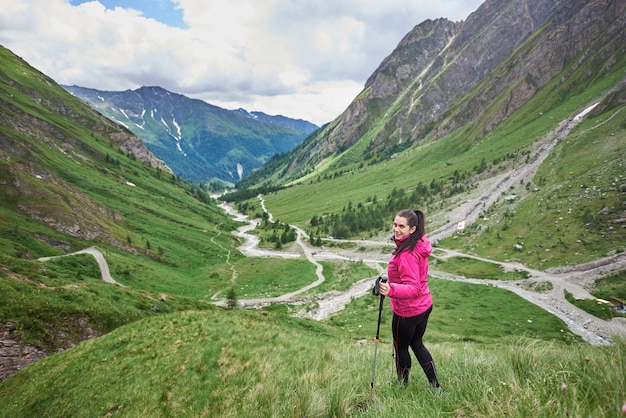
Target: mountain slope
200 142
71 179
470 75
68 184
202 364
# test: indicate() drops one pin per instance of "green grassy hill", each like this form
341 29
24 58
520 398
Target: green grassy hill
261 363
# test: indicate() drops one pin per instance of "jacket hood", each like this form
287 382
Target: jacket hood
424 247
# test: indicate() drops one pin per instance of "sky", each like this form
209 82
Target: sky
304 59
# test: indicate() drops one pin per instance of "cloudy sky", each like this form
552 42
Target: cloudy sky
305 59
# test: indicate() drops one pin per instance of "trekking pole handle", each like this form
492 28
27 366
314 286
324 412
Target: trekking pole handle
376 289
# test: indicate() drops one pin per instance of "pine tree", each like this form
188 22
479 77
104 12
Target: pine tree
231 299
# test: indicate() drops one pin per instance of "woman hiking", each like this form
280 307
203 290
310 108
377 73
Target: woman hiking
409 295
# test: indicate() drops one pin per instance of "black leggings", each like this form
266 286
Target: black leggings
408 332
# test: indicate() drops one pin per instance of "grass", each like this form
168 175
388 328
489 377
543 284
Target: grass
267 277
462 312
340 275
608 286
595 308
262 363
62 306
477 269
605 288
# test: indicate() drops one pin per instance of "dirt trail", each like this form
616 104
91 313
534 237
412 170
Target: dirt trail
250 249
102 263
491 190
591 328
575 280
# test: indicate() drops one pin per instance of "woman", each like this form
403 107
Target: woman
409 295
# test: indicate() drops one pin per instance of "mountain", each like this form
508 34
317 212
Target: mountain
199 141
294 124
507 129
465 77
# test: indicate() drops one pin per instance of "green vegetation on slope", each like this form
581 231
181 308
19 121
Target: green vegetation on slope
259 363
61 303
462 312
66 185
570 213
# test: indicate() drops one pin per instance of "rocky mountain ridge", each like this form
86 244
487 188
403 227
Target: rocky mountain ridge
445 76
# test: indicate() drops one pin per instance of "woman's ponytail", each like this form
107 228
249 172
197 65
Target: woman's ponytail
420 228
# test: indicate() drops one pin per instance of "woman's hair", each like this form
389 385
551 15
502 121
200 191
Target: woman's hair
415 218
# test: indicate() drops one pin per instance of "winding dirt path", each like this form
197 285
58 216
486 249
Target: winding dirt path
249 248
591 328
575 280
102 263
492 189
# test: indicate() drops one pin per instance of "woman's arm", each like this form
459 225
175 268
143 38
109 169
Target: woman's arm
409 270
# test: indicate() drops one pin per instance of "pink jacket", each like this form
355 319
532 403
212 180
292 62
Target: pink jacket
409 294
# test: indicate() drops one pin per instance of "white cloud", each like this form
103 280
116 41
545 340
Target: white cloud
302 59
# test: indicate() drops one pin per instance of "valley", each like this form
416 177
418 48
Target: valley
120 266
575 280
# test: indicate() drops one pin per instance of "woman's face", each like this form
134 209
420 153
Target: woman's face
401 227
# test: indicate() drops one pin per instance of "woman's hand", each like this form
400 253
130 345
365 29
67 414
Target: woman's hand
383 288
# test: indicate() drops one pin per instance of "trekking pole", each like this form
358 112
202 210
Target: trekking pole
380 311
376 292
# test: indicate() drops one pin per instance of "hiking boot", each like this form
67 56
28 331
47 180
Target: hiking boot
438 390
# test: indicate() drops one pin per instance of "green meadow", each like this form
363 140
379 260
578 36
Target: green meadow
261 363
